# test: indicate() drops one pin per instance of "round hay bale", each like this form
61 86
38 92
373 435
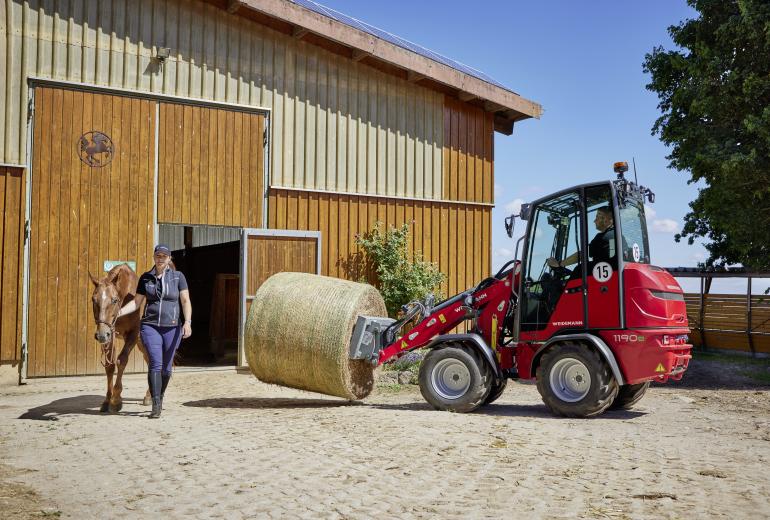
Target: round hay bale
298 333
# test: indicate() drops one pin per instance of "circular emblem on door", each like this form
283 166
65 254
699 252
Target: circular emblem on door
95 149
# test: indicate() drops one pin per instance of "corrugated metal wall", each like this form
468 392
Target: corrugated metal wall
336 124
173 236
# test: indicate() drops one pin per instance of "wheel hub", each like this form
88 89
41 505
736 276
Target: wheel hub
570 380
451 379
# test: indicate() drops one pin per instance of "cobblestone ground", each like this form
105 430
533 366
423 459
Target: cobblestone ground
229 446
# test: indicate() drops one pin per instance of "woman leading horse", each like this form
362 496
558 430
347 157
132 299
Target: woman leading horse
163 288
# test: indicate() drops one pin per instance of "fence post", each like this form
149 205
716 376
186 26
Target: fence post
701 313
748 320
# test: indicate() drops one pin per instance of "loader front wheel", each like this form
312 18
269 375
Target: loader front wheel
574 381
629 395
455 378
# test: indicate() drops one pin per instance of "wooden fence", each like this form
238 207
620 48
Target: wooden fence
730 321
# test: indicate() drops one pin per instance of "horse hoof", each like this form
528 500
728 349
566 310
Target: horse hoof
147 401
115 408
105 407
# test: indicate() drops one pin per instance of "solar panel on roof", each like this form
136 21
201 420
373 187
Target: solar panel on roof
395 40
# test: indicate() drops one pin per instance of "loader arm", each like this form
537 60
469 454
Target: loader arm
472 304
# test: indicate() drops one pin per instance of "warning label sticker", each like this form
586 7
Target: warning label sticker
660 368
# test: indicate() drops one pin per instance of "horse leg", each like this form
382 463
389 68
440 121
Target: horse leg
109 370
147 401
116 403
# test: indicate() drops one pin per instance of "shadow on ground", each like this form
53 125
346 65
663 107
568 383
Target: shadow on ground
509 410
268 402
722 372
78 405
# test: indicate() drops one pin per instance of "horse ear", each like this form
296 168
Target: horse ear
114 273
95 281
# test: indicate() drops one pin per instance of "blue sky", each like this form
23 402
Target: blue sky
583 62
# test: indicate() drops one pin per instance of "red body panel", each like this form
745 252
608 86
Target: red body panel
603 302
567 315
654 347
649 354
643 308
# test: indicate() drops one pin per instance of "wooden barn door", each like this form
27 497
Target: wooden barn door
92 201
211 166
265 252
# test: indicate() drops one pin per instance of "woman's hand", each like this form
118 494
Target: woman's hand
184 297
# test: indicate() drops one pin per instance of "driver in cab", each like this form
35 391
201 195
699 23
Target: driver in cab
602 246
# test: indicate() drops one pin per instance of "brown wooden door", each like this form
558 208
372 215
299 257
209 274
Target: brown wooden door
83 215
267 252
12 197
211 166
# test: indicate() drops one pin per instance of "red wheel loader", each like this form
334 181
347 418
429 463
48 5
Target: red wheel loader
584 313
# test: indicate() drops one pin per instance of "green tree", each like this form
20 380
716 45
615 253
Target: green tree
714 97
398 278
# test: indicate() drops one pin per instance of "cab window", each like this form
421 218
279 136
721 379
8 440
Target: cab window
634 227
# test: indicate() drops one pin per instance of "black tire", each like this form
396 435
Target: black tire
498 387
455 378
574 381
629 395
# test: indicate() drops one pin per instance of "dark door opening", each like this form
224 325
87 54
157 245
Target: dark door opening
210 260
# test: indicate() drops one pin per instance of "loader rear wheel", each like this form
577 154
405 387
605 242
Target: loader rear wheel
498 387
629 395
455 378
574 381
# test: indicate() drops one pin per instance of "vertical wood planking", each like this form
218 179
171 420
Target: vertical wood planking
82 216
468 153
270 255
12 200
462 254
216 175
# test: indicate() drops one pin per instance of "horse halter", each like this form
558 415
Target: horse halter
109 359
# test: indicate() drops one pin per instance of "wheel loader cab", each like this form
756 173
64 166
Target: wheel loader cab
578 241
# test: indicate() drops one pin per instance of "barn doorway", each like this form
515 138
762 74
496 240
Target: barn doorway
209 257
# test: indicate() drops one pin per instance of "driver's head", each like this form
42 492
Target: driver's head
603 219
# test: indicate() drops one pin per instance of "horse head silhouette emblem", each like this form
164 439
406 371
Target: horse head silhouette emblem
95 149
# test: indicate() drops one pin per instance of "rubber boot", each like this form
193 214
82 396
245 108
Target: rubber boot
166 378
156 383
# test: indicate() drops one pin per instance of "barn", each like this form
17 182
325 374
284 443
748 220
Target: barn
254 136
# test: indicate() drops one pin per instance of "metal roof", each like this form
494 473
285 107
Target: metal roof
396 40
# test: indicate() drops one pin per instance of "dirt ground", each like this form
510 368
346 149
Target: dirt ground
229 446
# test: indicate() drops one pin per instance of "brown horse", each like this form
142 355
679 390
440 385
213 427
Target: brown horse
111 293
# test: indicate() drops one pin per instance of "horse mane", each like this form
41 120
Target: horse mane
124 278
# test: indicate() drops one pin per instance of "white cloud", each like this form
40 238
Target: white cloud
665 225
504 252
514 206
649 212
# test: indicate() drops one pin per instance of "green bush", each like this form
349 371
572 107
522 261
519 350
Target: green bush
399 279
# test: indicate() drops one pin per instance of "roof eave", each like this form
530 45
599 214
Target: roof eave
507 106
